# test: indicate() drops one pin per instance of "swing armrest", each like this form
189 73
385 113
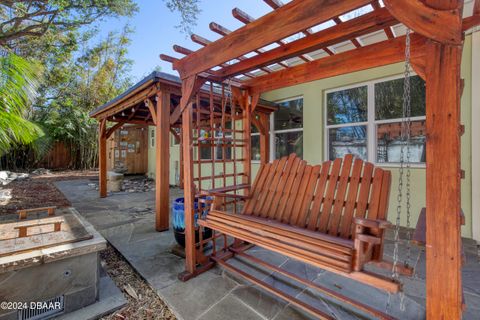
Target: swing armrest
370 223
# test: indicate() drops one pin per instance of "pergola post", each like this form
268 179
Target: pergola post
264 139
162 158
443 249
102 158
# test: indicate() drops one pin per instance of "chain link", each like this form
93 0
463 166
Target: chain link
405 158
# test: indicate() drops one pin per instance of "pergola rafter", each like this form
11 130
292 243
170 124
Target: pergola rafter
438 31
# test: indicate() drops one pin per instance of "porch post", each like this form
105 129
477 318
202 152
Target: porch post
162 159
265 139
443 248
102 158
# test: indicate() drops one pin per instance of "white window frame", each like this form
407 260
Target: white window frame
371 122
273 132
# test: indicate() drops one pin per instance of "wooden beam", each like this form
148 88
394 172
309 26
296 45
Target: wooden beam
356 27
111 130
443 171
440 25
275 4
204 42
189 188
265 139
190 87
471 22
162 161
444 284
476 7
354 40
102 158
375 55
388 30
293 17
151 108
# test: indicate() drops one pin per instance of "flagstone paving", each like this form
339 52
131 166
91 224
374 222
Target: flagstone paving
126 220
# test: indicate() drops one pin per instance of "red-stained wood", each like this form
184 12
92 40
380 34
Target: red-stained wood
265 139
444 284
190 87
476 7
329 195
318 200
189 188
346 224
371 56
162 161
340 195
283 22
444 26
365 24
102 158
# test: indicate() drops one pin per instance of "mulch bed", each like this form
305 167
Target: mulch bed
39 191
143 302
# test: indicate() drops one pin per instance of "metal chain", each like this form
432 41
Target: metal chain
404 163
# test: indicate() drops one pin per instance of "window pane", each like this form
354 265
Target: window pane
204 146
347 106
289 115
389 144
348 140
287 143
389 98
219 150
256 147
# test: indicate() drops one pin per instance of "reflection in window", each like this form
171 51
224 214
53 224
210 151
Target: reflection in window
347 106
289 115
389 98
348 140
389 142
287 143
255 147
288 128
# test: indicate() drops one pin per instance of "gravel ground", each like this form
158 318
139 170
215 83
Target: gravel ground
39 191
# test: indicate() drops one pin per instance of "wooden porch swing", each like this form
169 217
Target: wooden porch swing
331 215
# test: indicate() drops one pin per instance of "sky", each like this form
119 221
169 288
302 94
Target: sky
155 32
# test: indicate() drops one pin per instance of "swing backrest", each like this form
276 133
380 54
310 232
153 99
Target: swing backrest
325 198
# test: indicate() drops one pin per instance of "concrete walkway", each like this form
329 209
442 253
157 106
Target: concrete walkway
126 220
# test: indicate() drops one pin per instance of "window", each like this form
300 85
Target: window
204 145
288 128
255 144
219 150
366 121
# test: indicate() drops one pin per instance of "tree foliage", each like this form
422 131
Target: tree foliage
34 18
18 84
189 11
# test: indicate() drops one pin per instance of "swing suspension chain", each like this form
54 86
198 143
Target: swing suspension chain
405 157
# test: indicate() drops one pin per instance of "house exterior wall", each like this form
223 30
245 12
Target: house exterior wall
313 94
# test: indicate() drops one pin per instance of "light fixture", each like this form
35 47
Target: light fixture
123 113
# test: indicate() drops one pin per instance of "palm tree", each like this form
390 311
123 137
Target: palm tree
19 80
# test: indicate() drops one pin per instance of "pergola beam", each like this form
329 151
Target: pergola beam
290 19
246 19
356 27
375 55
221 30
444 26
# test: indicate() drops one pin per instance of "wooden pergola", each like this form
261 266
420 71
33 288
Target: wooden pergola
155 101
245 58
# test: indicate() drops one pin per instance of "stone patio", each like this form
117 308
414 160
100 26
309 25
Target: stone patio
126 220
